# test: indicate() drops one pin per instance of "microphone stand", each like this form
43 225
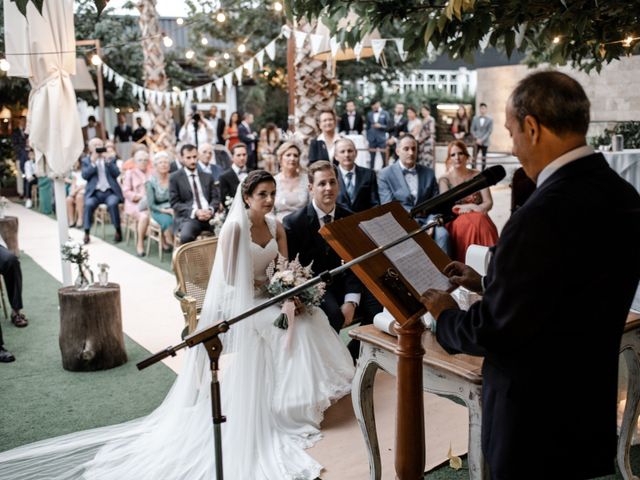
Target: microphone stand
209 337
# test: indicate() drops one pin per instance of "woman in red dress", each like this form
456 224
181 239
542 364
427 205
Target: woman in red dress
472 224
231 131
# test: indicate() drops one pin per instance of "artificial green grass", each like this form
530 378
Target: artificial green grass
39 399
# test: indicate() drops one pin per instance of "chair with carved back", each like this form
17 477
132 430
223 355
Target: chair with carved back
192 264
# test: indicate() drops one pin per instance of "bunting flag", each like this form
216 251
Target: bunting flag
271 50
207 90
238 72
357 49
334 45
300 37
183 97
174 98
248 66
260 58
399 44
199 93
377 45
219 84
316 43
286 31
228 80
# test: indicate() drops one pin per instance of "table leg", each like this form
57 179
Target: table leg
362 398
630 351
477 466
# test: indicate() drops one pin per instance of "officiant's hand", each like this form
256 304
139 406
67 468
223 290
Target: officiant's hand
436 301
348 311
463 276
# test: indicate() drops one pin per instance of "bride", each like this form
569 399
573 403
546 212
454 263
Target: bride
274 391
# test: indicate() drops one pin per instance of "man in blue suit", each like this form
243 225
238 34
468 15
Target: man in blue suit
411 184
358 185
377 123
101 174
555 298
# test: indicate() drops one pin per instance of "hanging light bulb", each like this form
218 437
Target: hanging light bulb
212 63
190 54
204 41
4 65
627 41
221 17
117 110
242 48
179 21
168 42
96 60
226 56
277 6
556 40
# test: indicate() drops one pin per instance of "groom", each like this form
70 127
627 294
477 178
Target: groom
345 297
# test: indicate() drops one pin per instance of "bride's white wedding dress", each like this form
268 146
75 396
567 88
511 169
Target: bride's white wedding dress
273 395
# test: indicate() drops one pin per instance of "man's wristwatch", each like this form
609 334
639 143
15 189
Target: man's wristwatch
355 305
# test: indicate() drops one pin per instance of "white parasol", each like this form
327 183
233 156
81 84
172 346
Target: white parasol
53 124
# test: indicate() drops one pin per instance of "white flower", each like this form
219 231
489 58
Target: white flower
288 277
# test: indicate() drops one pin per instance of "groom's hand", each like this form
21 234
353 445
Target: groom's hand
348 311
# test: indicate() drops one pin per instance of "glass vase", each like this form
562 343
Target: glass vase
82 280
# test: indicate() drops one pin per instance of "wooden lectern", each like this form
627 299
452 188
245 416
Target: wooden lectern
397 296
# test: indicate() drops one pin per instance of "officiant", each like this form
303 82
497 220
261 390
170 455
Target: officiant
556 296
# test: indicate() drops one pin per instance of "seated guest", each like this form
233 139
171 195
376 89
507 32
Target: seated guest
472 224
292 190
345 295
130 163
231 177
30 178
193 196
411 184
135 202
205 155
322 147
101 174
12 275
158 196
75 199
358 185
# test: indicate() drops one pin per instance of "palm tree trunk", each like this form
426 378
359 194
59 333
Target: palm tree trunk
163 134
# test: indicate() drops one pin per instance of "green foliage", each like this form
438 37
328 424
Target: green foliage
629 130
7 163
589 33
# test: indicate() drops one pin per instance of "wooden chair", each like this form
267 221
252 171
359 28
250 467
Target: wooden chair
35 201
154 234
129 226
100 217
192 264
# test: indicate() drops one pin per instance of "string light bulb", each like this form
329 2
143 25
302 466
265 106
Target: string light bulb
221 17
117 110
180 21
277 6
242 48
627 41
4 65
167 41
212 63
226 56
556 39
96 60
190 54
204 41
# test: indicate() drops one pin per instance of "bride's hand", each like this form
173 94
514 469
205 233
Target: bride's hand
299 306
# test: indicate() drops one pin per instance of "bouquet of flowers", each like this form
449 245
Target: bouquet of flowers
283 275
73 252
220 216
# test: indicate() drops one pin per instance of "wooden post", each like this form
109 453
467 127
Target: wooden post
410 443
91 336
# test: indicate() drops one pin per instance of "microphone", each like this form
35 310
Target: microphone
443 203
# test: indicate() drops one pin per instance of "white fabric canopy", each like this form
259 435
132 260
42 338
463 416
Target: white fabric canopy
41 47
53 123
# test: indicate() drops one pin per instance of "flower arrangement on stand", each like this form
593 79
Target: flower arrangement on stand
74 252
283 275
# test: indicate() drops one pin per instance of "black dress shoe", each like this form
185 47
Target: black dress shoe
87 238
6 357
141 254
117 237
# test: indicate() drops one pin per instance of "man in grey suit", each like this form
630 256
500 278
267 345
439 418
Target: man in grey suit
410 184
481 128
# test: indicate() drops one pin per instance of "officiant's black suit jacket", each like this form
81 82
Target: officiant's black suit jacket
558 291
303 238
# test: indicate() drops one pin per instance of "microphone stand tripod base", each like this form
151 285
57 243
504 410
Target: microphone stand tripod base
213 347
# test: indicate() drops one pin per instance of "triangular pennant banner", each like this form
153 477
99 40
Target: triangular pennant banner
238 72
248 66
167 99
218 83
286 31
260 58
316 42
300 38
182 95
174 98
199 93
377 45
399 44
190 95
110 74
484 41
357 50
334 45
271 50
228 80
404 55
119 81
207 90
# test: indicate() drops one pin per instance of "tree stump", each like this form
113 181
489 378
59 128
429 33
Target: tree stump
91 335
9 233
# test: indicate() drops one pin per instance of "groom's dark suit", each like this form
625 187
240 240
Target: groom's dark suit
549 325
303 238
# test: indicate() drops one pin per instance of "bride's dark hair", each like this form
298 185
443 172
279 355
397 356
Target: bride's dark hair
251 182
